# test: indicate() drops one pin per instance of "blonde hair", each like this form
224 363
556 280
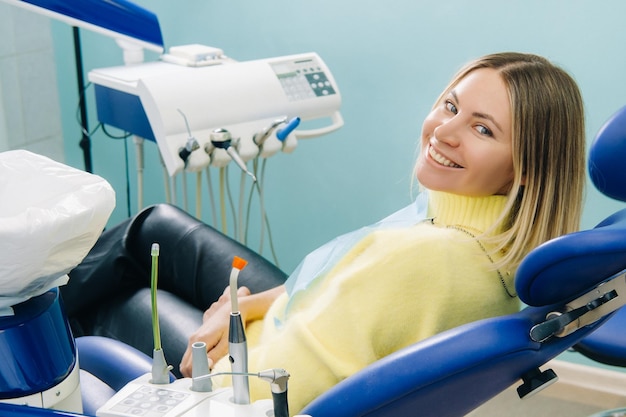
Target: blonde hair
548 147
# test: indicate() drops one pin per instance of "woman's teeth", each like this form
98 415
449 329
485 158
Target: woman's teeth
442 160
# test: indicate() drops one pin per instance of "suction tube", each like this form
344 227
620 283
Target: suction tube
160 369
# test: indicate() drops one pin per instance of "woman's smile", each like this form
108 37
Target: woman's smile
440 159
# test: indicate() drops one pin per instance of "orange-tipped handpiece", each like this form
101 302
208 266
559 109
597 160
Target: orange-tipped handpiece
237 345
239 263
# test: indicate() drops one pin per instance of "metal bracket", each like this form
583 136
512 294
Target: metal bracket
587 309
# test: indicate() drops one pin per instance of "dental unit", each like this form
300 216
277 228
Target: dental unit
204 110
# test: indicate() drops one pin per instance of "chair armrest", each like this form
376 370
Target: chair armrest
113 362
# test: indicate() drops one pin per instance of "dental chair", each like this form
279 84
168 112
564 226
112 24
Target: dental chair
572 286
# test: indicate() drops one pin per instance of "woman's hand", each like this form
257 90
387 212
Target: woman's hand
213 331
215 322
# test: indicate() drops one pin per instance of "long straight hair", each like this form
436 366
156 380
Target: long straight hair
548 149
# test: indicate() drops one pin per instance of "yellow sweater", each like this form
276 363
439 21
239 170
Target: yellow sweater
394 288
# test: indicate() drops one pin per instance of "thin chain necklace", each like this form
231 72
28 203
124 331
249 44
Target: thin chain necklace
473 236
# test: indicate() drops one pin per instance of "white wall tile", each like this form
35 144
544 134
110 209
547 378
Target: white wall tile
12 102
32 31
7 38
4 139
40 101
51 147
30 117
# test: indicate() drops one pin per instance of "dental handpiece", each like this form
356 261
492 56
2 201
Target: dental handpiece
222 139
237 344
260 137
191 144
278 384
278 379
283 132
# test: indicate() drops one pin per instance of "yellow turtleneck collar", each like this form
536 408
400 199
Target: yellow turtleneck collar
479 213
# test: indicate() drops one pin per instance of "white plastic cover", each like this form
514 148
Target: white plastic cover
50 217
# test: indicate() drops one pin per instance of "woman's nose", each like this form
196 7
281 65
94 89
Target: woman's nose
448 132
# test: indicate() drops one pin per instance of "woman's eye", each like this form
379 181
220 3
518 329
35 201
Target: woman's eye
484 130
451 107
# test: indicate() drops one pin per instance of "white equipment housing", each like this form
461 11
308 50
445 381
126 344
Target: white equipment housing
241 97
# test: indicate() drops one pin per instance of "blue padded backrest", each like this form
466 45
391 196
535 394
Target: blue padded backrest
606 157
564 268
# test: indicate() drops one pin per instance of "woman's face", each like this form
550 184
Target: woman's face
466 139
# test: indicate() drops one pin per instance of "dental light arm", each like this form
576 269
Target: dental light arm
118 19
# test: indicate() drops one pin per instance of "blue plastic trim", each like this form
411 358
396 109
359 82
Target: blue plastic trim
119 16
36 347
123 111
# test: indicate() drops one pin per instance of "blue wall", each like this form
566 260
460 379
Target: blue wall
390 59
